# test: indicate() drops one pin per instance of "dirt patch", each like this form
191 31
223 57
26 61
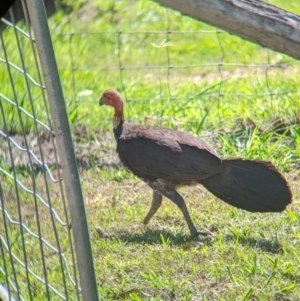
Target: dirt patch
32 151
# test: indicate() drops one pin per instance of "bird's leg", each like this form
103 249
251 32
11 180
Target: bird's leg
175 197
156 202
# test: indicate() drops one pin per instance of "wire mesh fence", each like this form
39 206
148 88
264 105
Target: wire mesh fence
172 71
37 252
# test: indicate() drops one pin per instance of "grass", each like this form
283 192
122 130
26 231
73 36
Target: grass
250 254
196 79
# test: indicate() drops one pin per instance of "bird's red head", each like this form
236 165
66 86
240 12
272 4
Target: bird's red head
113 98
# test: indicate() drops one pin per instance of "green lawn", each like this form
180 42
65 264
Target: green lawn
179 73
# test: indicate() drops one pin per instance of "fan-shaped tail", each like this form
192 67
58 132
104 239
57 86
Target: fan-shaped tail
256 186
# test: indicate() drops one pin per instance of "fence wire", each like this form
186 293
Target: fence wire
124 70
37 259
37 253
162 74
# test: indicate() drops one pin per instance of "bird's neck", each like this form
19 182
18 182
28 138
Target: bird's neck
119 115
118 128
118 120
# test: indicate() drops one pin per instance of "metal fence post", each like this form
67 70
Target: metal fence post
66 150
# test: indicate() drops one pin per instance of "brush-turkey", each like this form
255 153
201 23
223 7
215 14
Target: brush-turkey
166 159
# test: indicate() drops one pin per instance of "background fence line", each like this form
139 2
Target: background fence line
173 75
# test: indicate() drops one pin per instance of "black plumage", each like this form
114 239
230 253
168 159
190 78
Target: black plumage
167 159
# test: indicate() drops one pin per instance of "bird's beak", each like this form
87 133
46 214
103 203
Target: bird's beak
101 103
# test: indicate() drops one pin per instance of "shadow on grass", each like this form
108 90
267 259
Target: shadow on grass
267 245
161 237
166 237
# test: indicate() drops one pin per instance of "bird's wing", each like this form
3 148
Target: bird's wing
162 156
164 136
